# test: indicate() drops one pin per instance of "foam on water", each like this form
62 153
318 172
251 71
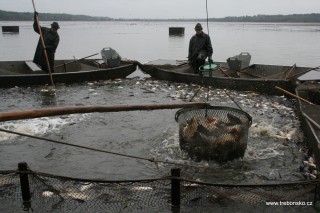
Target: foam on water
265 141
38 126
262 153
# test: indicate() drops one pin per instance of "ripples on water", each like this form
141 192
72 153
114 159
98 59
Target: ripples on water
273 147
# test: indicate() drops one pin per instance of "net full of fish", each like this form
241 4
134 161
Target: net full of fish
214 133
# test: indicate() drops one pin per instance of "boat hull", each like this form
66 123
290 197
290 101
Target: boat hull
68 73
310 115
261 84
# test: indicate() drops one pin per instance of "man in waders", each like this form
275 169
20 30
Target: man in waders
51 40
199 49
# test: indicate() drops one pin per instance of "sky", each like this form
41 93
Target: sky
165 9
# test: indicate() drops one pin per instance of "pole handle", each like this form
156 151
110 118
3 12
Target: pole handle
43 45
293 95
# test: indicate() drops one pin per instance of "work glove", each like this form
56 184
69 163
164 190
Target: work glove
36 14
210 60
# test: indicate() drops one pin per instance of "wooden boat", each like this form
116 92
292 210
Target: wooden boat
256 77
310 114
26 73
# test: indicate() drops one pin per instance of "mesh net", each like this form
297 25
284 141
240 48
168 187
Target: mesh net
63 194
214 133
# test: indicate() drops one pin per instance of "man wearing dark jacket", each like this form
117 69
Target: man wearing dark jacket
51 40
199 49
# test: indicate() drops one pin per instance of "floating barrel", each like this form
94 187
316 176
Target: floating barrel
176 31
10 29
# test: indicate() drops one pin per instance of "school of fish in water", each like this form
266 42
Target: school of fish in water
274 120
274 117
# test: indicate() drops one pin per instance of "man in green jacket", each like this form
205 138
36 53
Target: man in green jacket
199 49
51 39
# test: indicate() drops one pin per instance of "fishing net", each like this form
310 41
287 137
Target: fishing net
213 133
50 193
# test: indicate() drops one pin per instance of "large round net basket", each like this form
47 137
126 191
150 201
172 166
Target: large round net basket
214 133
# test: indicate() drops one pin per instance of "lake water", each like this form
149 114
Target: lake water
268 43
154 133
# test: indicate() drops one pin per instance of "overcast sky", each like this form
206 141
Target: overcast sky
166 9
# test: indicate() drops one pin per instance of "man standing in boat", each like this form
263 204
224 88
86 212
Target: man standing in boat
199 49
51 40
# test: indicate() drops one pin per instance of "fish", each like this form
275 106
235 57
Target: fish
190 185
213 132
225 139
211 123
86 186
203 130
202 138
190 129
80 197
141 188
309 164
47 193
234 119
236 129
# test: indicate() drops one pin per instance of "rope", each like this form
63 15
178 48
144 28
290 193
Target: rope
207 16
202 75
152 159
233 100
183 178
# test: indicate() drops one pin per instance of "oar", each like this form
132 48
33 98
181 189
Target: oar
43 44
37 113
288 72
293 95
305 71
224 72
75 60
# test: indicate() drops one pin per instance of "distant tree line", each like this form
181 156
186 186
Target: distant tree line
310 18
27 16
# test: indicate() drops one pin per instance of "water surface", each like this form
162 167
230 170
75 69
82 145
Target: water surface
269 158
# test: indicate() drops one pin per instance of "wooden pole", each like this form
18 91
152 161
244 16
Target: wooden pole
293 95
288 72
24 182
37 113
305 71
75 60
43 45
224 72
175 188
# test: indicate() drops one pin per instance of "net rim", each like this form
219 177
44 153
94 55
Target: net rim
180 111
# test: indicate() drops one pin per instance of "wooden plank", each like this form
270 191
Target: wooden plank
32 66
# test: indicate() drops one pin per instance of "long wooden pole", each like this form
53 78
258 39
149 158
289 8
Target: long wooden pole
37 113
75 60
288 72
43 44
293 95
305 71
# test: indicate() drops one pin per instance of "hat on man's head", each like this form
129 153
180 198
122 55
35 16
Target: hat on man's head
55 25
198 26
